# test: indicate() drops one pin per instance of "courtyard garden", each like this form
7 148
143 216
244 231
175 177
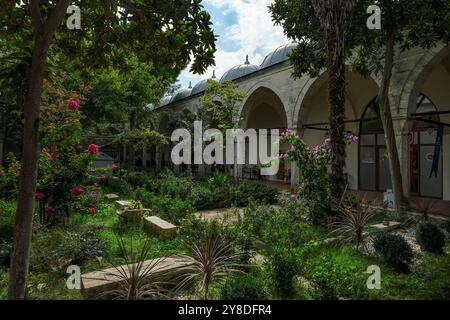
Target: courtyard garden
99 198
273 248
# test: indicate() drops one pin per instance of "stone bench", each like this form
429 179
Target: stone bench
97 284
158 226
111 196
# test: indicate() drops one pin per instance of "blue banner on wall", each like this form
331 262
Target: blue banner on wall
437 151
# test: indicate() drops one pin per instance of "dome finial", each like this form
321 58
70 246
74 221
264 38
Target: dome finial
246 60
190 85
214 75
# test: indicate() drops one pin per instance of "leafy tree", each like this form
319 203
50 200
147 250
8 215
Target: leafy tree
220 104
325 24
163 33
119 107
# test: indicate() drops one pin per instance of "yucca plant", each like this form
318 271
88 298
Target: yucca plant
352 225
214 258
139 278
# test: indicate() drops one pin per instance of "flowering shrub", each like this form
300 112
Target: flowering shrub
64 165
312 162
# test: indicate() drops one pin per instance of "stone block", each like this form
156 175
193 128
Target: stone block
132 216
157 226
111 196
122 204
98 284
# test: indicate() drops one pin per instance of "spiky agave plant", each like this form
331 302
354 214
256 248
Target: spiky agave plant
214 258
139 278
352 227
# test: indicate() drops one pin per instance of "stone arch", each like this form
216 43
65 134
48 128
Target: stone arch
417 77
312 108
254 94
272 112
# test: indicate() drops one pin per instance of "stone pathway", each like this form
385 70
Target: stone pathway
225 215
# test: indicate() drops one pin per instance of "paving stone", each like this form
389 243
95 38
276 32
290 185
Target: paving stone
392 225
156 225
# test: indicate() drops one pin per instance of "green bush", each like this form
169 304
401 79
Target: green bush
333 280
430 237
245 191
7 216
138 178
56 248
5 253
218 180
246 287
203 197
120 186
172 209
394 250
283 267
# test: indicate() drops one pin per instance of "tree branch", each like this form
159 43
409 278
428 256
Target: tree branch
56 16
36 18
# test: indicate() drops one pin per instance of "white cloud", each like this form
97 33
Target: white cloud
253 34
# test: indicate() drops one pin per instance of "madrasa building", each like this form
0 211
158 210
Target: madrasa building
420 105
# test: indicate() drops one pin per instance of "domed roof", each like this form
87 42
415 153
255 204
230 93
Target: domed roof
239 71
181 95
278 55
201 86
164 101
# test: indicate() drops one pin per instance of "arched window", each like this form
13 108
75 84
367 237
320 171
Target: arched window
374 174
422 151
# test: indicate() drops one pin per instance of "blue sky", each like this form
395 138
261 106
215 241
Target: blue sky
243 27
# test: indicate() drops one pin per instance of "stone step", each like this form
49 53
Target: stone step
98 283
157 226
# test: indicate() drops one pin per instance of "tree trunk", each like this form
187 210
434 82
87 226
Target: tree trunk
18 273
43 34
386 118
336 92
333 16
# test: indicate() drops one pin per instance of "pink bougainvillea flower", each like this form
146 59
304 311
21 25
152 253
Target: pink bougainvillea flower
355 138
104 177
39 195
73 105
96 185
114 166
293 197
93 148
77 190
92 211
